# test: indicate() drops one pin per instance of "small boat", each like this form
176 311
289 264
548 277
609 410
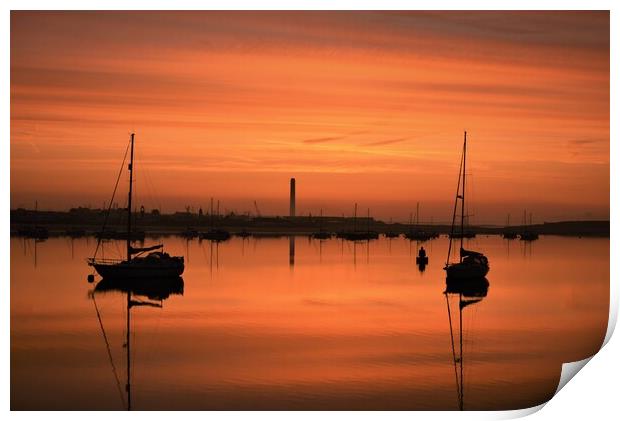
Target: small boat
155 265
464 234
471 264
509 233
421 258
391 234
75 232
134 235
189 233
215 235
36 232
321 234
356 235
417 234
243 234
361 235
527 234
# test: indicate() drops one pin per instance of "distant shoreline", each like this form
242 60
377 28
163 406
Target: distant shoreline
83 221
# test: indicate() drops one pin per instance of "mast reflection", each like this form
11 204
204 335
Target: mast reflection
140 292
468 292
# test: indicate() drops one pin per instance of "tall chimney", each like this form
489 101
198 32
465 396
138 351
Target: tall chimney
292 210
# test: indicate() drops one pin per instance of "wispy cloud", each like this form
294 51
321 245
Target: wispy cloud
323 139
386 142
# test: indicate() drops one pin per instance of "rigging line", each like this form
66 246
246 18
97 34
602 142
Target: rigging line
458 187
118 383
456 376
105 221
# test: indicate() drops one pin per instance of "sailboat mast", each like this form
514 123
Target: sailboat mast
456 202
417 214
211 213
463 194
129 200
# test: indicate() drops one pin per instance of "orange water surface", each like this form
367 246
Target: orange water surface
332 325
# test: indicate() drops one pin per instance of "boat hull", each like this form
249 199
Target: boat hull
215 235
465 271
137 269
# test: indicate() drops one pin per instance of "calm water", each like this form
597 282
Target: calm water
339 326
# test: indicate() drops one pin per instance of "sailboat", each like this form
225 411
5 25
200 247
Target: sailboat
356 235
215 234
155 265
468 293
418 234
509 233
527 234
471 264
321 234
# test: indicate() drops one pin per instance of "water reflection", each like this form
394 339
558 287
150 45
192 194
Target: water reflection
468 293
371 336
140 293
30 246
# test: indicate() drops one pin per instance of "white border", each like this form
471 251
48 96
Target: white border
592 394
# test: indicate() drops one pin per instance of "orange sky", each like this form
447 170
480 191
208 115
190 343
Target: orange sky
358 106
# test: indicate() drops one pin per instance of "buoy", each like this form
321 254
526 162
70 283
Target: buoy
91 278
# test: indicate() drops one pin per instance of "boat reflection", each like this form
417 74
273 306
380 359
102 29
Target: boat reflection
140 292
153 289
469 292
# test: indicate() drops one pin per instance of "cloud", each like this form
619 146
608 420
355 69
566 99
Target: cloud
386 142
323 139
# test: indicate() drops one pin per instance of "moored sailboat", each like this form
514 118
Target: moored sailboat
472 264
155 265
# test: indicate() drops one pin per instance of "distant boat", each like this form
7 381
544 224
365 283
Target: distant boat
464 234
75 232
37 232
509 233
356 235
391 234
134 235
189 233
215 234
243 234
321 234
417 234
527 234
471 264
421 258
156 264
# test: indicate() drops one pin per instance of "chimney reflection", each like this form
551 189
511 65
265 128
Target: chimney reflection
291 251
